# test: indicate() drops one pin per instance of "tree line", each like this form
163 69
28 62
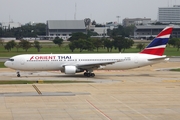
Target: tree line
24 31
118 39
95 43
175 42
24 44
83 43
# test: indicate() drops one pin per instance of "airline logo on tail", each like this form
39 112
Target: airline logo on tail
158 45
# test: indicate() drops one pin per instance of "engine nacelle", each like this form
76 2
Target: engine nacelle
70 69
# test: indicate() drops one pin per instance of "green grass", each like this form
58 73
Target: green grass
44 82
176 70
49 48
2 65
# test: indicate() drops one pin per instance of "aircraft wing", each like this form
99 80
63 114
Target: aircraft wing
95 65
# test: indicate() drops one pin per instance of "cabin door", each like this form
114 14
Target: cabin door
136 59
22 61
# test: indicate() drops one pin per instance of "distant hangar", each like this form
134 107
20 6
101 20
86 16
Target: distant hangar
64 28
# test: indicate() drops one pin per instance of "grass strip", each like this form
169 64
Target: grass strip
176 70
2 65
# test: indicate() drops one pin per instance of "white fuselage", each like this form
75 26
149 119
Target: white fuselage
48 62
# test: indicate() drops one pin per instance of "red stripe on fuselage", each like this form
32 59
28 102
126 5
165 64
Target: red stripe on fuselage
154 51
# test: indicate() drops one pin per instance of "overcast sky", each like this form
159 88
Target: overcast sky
102 11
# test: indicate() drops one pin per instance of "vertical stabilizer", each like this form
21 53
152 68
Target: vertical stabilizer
158 45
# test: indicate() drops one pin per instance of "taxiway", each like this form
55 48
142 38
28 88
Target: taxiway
148 93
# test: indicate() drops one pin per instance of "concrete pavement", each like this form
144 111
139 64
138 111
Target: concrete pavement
138 94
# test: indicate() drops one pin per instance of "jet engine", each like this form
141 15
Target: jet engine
71 70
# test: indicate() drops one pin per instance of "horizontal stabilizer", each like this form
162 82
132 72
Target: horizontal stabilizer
159 59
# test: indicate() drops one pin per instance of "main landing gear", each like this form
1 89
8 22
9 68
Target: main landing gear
18 74
89 73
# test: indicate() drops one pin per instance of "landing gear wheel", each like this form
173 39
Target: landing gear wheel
89 74
85 74
18 74
92 74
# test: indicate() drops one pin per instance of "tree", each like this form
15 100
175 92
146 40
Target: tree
1 41
58 41
91 33
117 32
17 47
40 29
24 44
77 36
89 46
119 43
11 44
97 43
7 47
93 22
24 31
173 42
178 44
37 45
72 46
128 44
83 44
140 46
108 44
121 31
99 25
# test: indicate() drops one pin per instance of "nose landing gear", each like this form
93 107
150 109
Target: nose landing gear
18 74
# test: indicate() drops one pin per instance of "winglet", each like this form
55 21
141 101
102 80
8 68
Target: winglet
158 45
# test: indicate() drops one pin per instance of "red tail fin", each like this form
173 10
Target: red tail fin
158 45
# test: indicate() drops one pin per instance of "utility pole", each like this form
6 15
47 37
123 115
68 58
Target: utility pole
118 18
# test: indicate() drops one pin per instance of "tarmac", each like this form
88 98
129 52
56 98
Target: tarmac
147 93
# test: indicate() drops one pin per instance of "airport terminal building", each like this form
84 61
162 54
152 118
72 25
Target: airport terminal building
64 28
151 31
169 14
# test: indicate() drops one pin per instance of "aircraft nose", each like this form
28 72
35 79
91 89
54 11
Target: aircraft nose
6 64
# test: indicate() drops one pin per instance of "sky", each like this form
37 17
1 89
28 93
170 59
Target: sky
102 11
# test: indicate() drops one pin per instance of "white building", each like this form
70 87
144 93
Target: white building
101 31
112 25
136 21
169 14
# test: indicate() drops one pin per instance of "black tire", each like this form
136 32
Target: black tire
88 75
92 74
18 75
85 74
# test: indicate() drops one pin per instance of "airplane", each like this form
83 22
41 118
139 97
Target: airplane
75 63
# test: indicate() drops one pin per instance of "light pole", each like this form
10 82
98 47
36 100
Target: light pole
118 18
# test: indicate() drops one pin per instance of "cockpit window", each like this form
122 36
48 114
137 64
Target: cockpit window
11 59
